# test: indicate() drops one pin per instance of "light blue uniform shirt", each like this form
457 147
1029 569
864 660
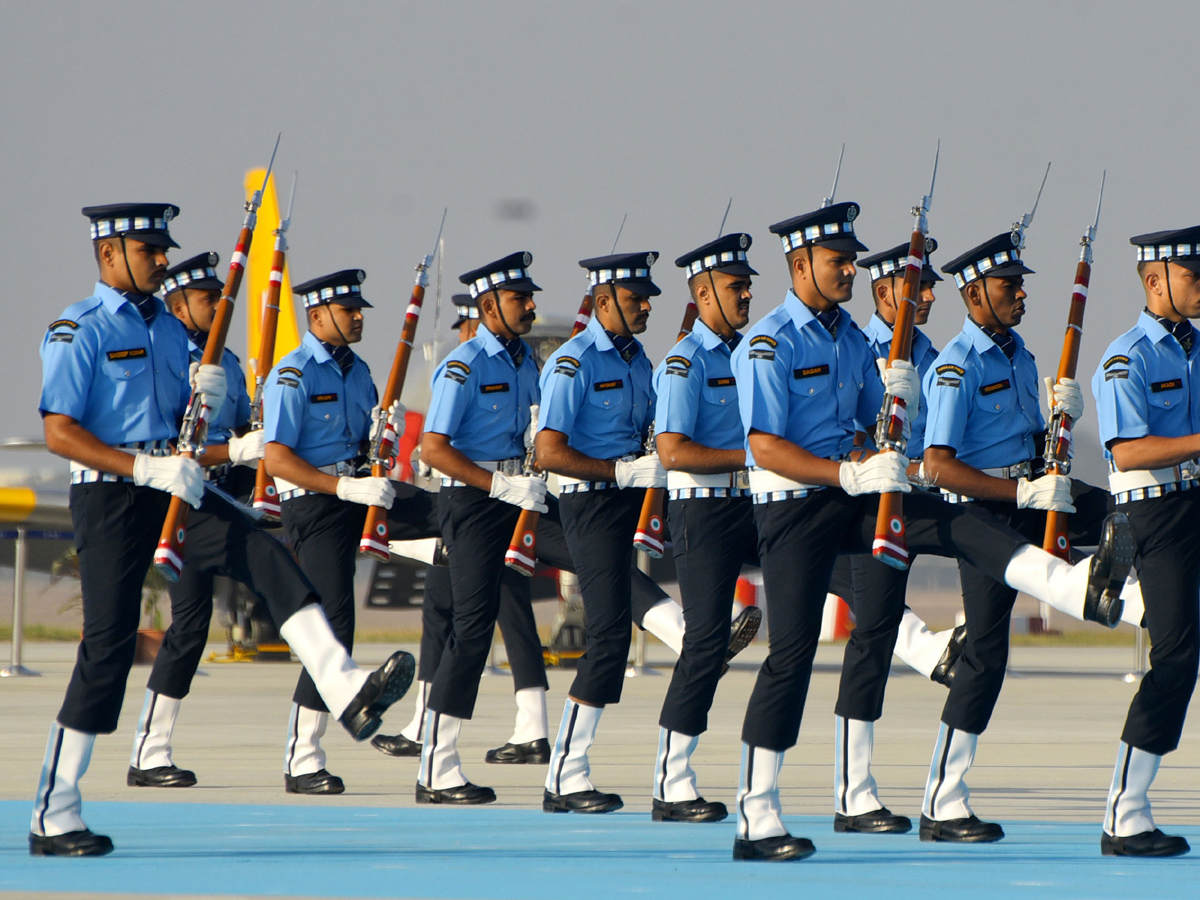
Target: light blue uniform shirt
879 335
121 379
796 380
589 393
308 406
980 404
235 411
481 399
696 392
1146 385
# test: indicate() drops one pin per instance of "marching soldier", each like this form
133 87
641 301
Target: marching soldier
805 375
699 439
318 408
191 290
115 384
1147 393
484 395
983 442
597 407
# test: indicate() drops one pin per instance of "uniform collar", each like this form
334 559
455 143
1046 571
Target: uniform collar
1155 330
803 315
879 330
602 340
114 299
982 341
316 348
492 344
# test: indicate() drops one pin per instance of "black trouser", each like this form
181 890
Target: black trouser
192 607
116 531
799 540
1166 530
988 603
325 532
599 527
713 538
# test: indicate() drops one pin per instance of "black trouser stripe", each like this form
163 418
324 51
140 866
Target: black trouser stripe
146 733
432 738
424 710
562 759
941 773
50 779
662 781
1121 792
293 739
845 762
749 787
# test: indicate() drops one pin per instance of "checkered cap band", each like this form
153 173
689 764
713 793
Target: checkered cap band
714 261
496 279
1158 252
605 276
890 267
324 295
110 227
467 312
808 235
183 279
980 268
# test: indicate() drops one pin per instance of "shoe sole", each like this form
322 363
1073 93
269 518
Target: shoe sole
425 798
656 816
1122 551
929 838
524 761
38 848
747 632
842 828
552 807
791 857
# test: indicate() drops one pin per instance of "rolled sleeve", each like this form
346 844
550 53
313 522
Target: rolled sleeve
451 393
68 368
1121 406
763 392
562 396
947 410
283 411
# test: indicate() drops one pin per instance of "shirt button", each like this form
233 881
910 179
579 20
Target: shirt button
722 399
1167 403
326 415
997 406
126 373
810 390
840 384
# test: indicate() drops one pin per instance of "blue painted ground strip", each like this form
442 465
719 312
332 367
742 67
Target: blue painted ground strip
362 852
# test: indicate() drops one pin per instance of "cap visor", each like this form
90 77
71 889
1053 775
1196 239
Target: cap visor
1188 262
929 274
459 322
153 238
348 302
737 268
842 244
203 284
641 288
1008 270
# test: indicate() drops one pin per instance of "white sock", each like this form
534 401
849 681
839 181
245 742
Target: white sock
674 777
917 646
424 550
1128 810
1131 595
1063 586
854 788
152 740
532 722
58 805
441 767
303 754
569 769
337 677
415 729
946 791
759 813
664 620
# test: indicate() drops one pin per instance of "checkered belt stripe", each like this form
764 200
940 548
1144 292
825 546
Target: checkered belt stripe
705 493
92 476
514 466
347 467
1158 490
772 496
1012 473
582 487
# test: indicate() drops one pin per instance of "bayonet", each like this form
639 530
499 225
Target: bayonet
1027 219
721 230
1085 242
828 201
618 237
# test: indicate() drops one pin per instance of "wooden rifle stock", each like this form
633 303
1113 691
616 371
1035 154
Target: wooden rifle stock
521 555
649 535
891 545
266 497
374 540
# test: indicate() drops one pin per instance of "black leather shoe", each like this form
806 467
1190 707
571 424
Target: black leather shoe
879 821
384 686
943 672
960 831
395 745
319 782
533 753
73 843
774 849
160 776
698 810
464 795
742 631
1110 566
581 802
1148 843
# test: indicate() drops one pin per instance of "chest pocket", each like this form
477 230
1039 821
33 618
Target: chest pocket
814 379
1170 393
124 369
497 397
611 399
722 394
994 400
327 413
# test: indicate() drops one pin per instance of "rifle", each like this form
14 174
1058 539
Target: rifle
1058 434
168 558
266 498
892 426
374 541
521 555
648 536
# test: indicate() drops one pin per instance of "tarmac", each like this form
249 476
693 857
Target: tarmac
1042 770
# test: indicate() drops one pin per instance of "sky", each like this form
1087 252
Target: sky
541 124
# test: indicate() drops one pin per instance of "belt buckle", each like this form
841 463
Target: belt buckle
740 480
1187 470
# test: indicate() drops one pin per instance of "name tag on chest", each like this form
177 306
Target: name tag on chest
811 371
615 384
1172 384
323 398
501 388
135 353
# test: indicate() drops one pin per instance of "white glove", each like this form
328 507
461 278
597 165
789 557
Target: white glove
531 431
524 491
176 475
209 381
643 472
902 381
883 473
395 418
1065 397
369 491
246 450
1050 492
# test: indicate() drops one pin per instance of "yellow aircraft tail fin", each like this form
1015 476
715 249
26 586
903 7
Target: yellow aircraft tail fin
258 274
